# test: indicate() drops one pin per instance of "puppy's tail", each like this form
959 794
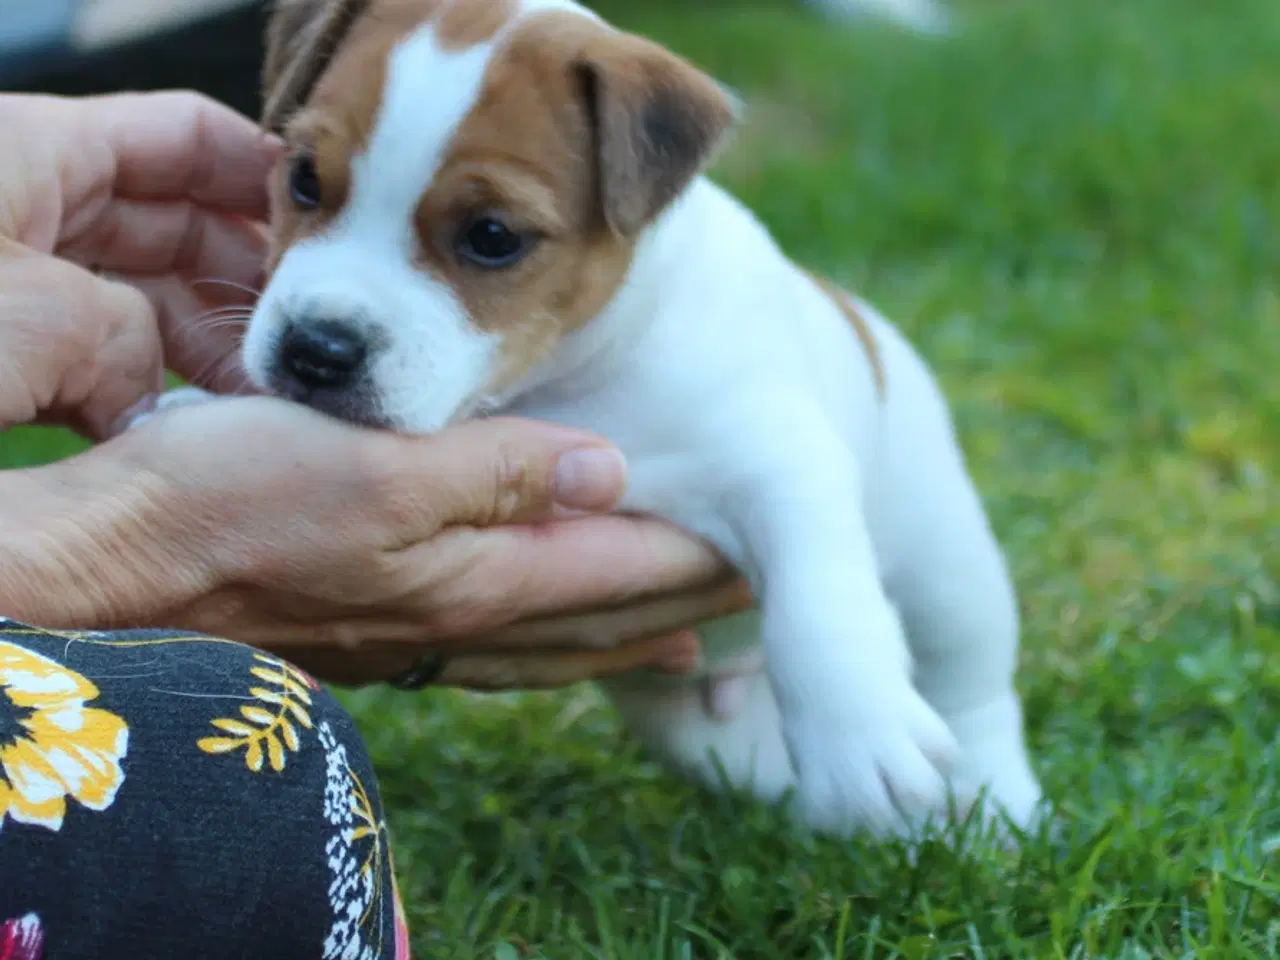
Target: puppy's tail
922 16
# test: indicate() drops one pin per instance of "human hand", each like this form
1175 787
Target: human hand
354 552
162 191
114 211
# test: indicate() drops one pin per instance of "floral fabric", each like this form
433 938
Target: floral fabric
174 795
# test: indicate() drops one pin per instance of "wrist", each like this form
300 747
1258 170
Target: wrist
94 542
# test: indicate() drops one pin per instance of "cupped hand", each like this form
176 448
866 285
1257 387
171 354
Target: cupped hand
130 241
357 552
123 218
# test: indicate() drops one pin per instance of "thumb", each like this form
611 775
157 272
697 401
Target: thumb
85 348
501 471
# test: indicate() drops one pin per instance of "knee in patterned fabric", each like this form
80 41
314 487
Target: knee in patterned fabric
185 796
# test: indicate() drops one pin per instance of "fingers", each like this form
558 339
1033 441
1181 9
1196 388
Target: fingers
492 472
128 365
201 272
85 348
476 581
377 663
164 250
625 623
180 145
351 650
147 237
674 653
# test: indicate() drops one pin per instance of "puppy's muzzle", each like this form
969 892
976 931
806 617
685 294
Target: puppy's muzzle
321 355
327 365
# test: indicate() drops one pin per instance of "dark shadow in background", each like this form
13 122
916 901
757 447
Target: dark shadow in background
219 55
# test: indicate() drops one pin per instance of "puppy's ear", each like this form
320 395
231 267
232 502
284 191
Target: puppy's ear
302 37
657 120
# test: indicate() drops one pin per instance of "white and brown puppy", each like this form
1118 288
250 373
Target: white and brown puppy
499 205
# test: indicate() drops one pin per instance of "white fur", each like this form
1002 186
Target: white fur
856 522
878 672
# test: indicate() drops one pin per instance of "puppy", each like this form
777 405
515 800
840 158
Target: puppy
500 206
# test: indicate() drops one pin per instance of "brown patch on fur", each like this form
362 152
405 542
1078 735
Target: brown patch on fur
323 81
336 118
859 323
301 40
305 37
581 173
466 23
523 156
658 121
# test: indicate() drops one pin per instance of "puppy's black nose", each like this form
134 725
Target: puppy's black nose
322 353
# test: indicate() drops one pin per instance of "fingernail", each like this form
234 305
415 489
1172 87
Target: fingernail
591 478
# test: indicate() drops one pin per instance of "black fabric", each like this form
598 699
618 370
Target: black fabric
175 796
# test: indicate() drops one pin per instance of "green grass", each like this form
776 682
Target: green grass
1073 210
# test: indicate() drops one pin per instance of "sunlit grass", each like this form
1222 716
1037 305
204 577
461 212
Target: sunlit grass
1072 208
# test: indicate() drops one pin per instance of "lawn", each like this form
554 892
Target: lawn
1073 209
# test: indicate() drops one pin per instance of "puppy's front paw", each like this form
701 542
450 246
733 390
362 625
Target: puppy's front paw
881 764
169 400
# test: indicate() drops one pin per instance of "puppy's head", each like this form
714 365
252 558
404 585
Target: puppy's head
464 185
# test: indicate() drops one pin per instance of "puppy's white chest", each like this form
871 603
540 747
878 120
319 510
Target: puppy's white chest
674 471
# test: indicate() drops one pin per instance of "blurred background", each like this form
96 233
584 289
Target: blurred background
1071 207
97 46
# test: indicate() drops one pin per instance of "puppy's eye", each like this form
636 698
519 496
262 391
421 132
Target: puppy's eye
487 242
304 182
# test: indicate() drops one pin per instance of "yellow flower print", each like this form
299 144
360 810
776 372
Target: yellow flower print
51 745
267 729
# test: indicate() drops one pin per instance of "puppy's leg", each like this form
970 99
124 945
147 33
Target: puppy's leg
953 590
958 603
693 728
868 749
